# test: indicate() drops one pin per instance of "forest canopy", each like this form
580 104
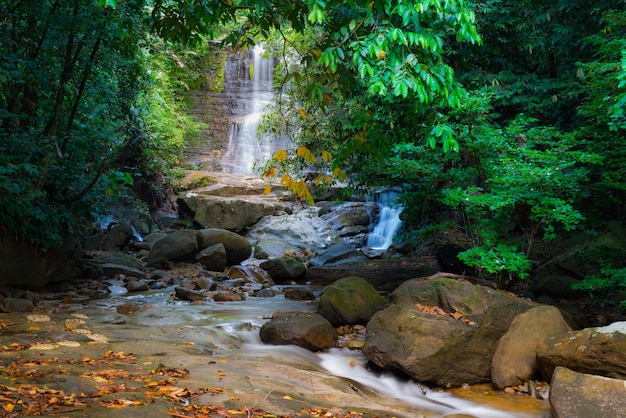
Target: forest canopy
501 119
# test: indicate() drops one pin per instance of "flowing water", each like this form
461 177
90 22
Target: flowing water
250 83
388 222
280 379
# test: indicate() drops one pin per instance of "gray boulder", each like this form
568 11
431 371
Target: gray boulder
306 329
177 246
284 268
515 359
576 395
300 231
237 247
351 220
231 213
598 351
384 275
213 258
441 331
351 300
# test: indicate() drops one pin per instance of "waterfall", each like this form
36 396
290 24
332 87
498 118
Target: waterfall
250 82
388 223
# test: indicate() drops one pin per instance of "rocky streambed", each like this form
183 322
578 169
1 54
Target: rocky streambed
149 354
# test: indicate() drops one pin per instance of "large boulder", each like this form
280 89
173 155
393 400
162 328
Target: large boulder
237 247
515 359
574 395
232 213
351 300
303 230
599 351
384 274
305 329
284 268
441 331
25 266
177 246
213 258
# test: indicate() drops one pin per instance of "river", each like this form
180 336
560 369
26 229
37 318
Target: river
218 342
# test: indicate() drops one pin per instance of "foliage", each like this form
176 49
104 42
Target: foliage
87 109
605 287
356 60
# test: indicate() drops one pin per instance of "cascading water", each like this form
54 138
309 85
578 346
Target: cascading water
388 223
250 83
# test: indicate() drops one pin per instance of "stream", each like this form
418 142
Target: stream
218 342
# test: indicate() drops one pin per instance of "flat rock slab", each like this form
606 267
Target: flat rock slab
384 275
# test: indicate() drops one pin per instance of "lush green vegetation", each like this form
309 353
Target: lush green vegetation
501 120
87 108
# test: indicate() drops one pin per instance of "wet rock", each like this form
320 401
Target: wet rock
117 236
127 308
299 294
119 258
226 296
599 351
177 246
189 295
575 395
351 300
206 283
251 274
137 285
213 258
305 329
300 231
284 268
450 345
115 270
237 247
337 253
351 220
515 358
10 305
384 275
162 276
264 293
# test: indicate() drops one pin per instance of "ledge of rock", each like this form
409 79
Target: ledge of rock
384 274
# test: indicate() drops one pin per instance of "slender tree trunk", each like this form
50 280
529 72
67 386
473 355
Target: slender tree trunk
81 89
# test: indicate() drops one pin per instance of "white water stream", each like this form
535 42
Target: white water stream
388 223
251 83
239 323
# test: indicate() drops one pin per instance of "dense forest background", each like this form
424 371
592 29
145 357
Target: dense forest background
502 121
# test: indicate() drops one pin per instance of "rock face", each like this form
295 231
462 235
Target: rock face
384 275
177 246
451 347
213 258
183 245
25 266
515 359
351 300
237 247
352 220
231 213
305 329
574 395
284 268
297 232
600 351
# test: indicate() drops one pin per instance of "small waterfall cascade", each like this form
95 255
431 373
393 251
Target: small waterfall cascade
249 81
388 223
